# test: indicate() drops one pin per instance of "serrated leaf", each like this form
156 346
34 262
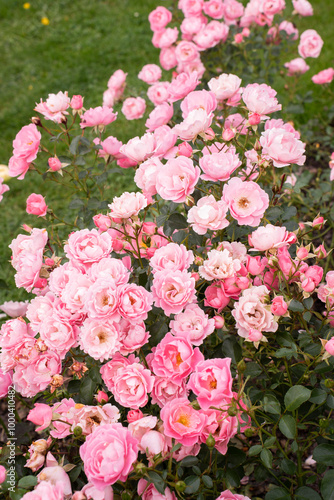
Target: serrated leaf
324 454
271 404
174 221
189 461
207 481
296 306
267 458
255 450
193 483
305 493
296 396
287 426
277 494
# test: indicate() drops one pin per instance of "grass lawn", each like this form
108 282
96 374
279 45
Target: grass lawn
84 42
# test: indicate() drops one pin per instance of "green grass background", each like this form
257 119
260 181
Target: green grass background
85 42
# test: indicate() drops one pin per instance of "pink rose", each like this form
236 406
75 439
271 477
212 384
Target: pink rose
150 73
246 200
160 115
198 99
100 338
329 346
282 147
36 205
133 108
111 146
40 415
6 380
172 257
219 265
90 492
196 123
224 86
191 7
14 309
232 11
159 18
289 29
269 236
214 8
134 302
3 474
76 102
85 247
167 58
165 38
117 79
108 455
260 99
219 166
26 143
212 382
177 179
132 384
35 377
216 297
18 167
310 44
182 85
158 93
102 222
325 76
127 205
182 422
173 290
296 67
228 495
192 324
45 489
303 7
139 149
208 214
98 117
192 25
149 492
165 389
54 164
278 306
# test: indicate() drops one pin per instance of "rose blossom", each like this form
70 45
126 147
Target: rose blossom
177 179
158 93
212 382
40 415
108 454
219 166
182 84
172 257
132 385
219 265
159 18
117 79
198 99
232 11
182 422
90 492
132 336
134 302
224 86
303 7
208 214
150 73
26 143
196 123
149 492
98 117
269 236
215 297
173 290
278 306
246 200
228 495
6 380
14 309
133 108
167 58
260 99
310 44
99 338
192 324
86 246
214 9
44 490
192 25
127 205
325 76
146 177
165 389
160 115
282 147
297 66
36 205
139 149
35 377
18 167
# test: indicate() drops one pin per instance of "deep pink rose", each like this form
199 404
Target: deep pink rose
325 76
40 415
278 306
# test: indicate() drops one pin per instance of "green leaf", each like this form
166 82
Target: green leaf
189 461
286 352
157 480
207 481
296 396
277 494
288 466
232 477
235 456
231 349
269 442
27 482
255 450
267 458
324 454
289 213
17 494
318 396
271 404
75 473
252 369
327 485
174 221
193 483
296 306
87 389
287 426
76 203
305 493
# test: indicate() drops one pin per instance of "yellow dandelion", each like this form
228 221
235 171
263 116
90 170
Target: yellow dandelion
26 5
45 21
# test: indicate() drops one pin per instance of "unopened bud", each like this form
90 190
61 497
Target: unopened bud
190 202
210 441
232 411
219 322
228 134
257 146
180 486
254 119
140 468
241 366
250 432
101 397
196 276
36 121
127 495
329 383
77 431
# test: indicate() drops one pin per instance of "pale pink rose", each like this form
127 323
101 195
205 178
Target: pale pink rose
132 336
260 99
236 121
174 357
198 99
134 108
219 166
182 85
127 205
146 177
310 44
109 268
150 73
325 76
165 389
329 346
173 290
140 427
26 143
191 67
172 257
108 455
101 300
40 415
13 332
191 7
196 123
278 306
296 67
228 495
182 422
159 18
3 474
160 115
251 313
269 236
99 338
310 278
132 385
58 336
165 140
153 443
158 93
186 52
272 7
177 179
246 200
6 381
39 309
192 25
58 103
167 58
134 302
44 490
98 117
110 147
212 382
18 167
14 309
219 265
225 86
149 492
117 79
290 29
214 8
211 34
102 222
35 377
216 297
281 124
192 324
85 247
232 11
109 98
63 428
303 7
36 205
282 147
165 38
208 214
90 492
88 418
139 149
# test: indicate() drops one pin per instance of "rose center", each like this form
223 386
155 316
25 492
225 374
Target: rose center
184 420
243 202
